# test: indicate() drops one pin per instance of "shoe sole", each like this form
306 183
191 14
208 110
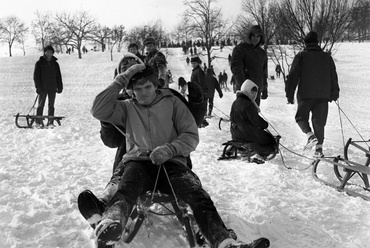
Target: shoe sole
108 233
310 145
89 204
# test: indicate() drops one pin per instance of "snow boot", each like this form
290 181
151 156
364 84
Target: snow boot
110 229
258 243
90 207
311 141
318 151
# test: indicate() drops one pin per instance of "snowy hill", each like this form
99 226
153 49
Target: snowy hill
43 170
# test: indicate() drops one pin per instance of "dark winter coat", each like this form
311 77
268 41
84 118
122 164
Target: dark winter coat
314 72
246 124
47 76
198 77
158 62
212 85
248 62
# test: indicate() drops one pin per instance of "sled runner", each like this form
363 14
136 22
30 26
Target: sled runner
144 206
348 172
31 119
246 149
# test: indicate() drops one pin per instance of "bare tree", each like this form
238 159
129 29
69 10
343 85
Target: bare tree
117 35
42 28
207 23
78 26
12 29
100 34
329 18
183 31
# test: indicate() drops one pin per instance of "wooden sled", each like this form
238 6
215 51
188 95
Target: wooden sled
31 119
348 172
245 149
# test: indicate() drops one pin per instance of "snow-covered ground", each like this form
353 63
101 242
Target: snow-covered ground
43 170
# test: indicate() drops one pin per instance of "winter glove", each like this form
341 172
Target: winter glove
162 153
39 91
125 77
59 91
264 94
333 98
290 100
221 95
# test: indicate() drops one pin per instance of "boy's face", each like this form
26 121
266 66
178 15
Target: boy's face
49 54
194 64
150 47
145 93
255 38
133 50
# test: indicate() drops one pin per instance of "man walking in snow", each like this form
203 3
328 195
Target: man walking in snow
314 72
161 132
157 61
212 85
249 61
48 82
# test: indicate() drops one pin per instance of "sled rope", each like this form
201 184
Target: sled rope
354 127
159 169
34 103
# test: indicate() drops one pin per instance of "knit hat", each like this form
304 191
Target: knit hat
149 40
196 59
126 56
311 37
49 48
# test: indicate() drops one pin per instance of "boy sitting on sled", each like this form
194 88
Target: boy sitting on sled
248 126
161 132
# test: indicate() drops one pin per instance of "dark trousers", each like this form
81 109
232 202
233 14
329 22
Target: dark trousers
210 104
140 176
42 100
319 110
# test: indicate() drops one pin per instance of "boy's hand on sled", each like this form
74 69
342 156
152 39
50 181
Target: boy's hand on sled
162 153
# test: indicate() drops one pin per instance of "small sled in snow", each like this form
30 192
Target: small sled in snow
29 120
348 172
245 149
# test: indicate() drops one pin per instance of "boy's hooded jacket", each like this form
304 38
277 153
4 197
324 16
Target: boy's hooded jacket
47 76
166 120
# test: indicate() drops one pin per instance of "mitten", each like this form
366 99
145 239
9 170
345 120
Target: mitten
264 94
125 77
290 100
162 153
59 91
221 95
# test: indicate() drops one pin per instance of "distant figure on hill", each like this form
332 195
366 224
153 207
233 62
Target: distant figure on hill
212 85
278 70
48 82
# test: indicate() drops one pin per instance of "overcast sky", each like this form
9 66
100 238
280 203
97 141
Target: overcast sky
114 12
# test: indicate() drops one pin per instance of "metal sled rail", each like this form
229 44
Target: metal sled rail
30 119
349 170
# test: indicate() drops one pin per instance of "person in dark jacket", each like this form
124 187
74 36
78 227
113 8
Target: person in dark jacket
249 61
246 123
212 85
198 77
314 72
48 82
157 61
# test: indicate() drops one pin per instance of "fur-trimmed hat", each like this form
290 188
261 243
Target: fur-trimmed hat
311 37
49 48
196 59
149 40
256 30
